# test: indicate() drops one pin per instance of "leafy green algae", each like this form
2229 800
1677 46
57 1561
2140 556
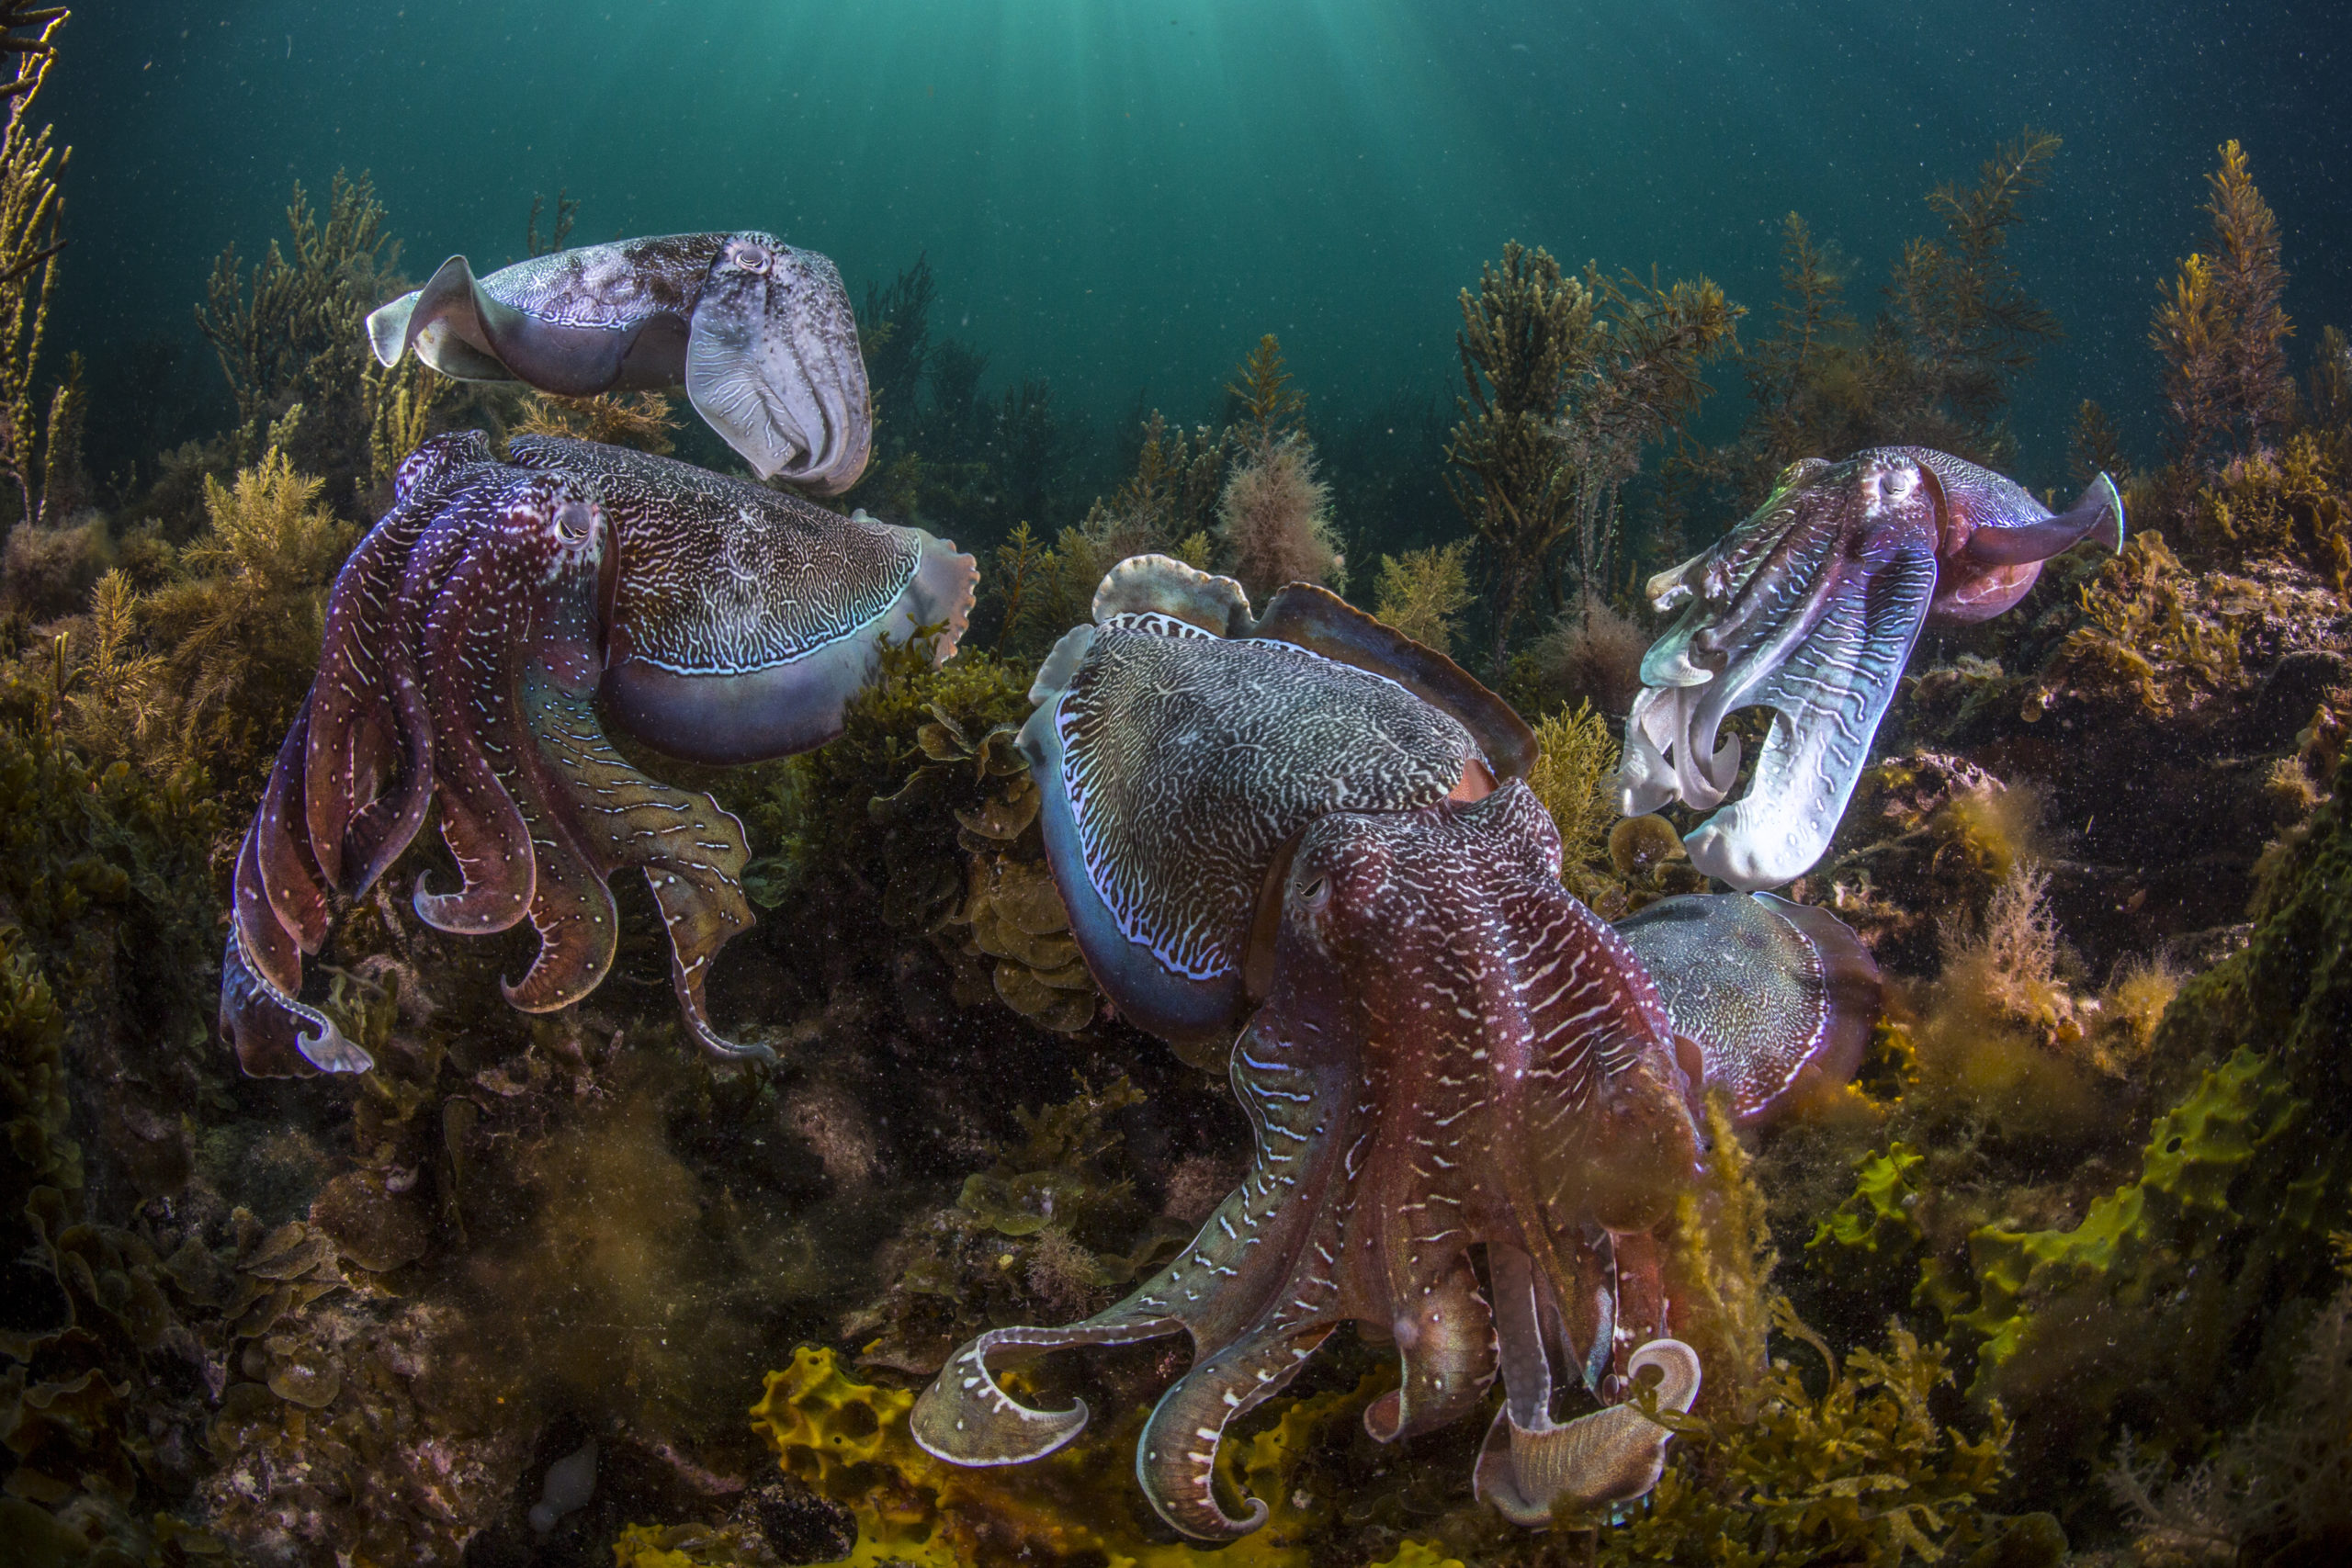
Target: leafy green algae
2237 1187
849 1442
1863 1473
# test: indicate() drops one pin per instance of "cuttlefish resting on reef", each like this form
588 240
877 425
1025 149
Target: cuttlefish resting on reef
1810 607
760 333
476 641
1306 827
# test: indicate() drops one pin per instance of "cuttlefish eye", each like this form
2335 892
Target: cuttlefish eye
751 257
574 521
1315 894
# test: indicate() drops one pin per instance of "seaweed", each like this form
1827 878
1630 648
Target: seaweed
1274 520
1934 368
849 1442
1805 378
242 617
1962 325
2223 1221
641 420
1566 378
2290 503
30 210
2282 1481
1571 775
1866 1472
2220 328
1423 592
1043 1233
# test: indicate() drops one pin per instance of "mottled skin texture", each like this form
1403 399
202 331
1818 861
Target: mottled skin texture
1810 607
1449 1057
469 638
1182 744
1455 1055
1235 760
1778 998
761 335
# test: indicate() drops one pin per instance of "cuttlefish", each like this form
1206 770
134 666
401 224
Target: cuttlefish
478 641
1302 847
1810 608
760 333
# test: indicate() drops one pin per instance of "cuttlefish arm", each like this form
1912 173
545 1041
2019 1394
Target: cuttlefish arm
1827 697
760 333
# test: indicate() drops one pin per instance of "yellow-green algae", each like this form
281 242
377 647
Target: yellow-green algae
848 1441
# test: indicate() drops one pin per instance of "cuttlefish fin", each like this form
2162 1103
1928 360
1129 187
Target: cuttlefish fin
1321 622
1828 698
463 330
1609 1456
442 322
2096 514
1162 585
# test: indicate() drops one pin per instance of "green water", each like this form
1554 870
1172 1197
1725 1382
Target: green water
1121 197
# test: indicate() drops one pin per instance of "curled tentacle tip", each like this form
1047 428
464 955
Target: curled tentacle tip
1611 1456
966 1417
332 1051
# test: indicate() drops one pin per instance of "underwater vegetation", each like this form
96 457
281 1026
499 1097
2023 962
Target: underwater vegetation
2057 1276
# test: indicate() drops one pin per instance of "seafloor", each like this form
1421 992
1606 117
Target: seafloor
2065 1275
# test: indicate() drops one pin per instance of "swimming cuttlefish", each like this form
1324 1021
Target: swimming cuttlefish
479 639
1810 607
760 333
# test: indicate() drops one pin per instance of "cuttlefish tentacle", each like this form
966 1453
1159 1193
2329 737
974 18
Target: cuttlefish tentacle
1445 1350
467 637
967 1417
1176 1455
288 877
1253 1312
1527 1471
370 727
1829 696
692 851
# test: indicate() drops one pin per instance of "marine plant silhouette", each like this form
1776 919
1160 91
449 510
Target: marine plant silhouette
1933 367
1566 380
30 210
291 341
2221 327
